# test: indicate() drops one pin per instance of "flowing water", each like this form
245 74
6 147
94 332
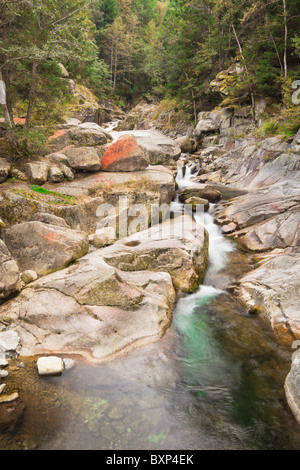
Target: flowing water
215 381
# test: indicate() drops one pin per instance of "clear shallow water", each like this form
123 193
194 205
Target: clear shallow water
215 381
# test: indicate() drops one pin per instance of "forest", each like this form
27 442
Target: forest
153 50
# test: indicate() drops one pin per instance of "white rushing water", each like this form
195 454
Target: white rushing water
219 247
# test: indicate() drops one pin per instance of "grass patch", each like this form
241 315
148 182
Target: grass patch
38 189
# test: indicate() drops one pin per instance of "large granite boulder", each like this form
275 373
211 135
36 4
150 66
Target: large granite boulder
83 158
89 136
37 172
159 148
178 246
43 247
124 155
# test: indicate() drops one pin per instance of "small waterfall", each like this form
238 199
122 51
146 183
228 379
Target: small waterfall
219 247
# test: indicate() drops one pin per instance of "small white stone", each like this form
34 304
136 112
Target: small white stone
3 362
50 365
3 374
9 340
69 363
29 276
2 388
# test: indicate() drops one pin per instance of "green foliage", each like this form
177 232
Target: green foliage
27 143
270 128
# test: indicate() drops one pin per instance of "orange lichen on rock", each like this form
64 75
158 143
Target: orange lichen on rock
124 155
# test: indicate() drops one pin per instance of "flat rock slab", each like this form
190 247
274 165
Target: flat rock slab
281 231
158 176
256 207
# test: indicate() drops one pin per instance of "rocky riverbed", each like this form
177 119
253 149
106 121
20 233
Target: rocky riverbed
63 295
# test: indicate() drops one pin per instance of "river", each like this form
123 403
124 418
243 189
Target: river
215 381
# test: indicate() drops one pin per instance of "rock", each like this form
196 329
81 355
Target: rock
57 158
49 219
45 248
18 175
58 141
29 276
160 149
37 172
3 362
71 122
50 366
14 208
5 168
56 175
292 387
101 328
67 172
165 247
202 191
84 158
281 231
185 143
198 201
285 167
256 207
3 374
9 273
89 137
9 341
2 388
273 291
9 398
92 126
124 155
112 300
209 122
69 363
104 237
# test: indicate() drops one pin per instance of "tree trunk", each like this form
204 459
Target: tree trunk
285 40
4 106
247 71
6 74
32 92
